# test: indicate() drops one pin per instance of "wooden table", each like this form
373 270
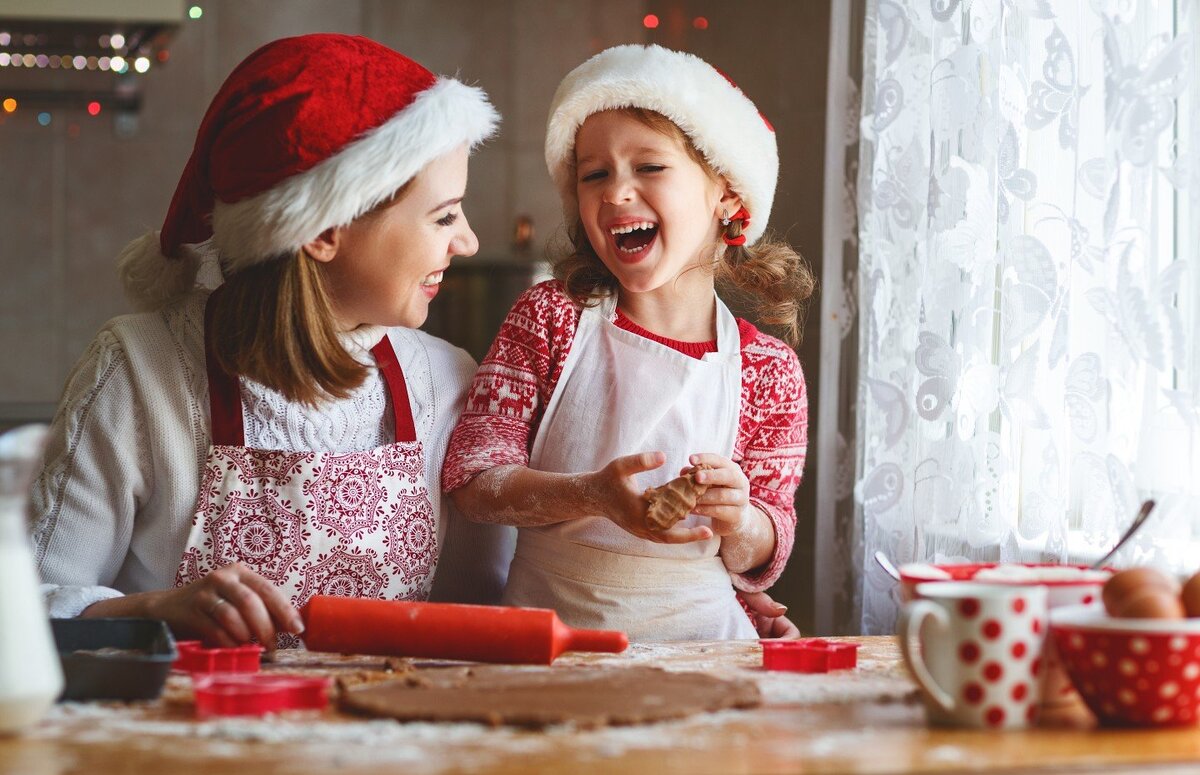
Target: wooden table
864 721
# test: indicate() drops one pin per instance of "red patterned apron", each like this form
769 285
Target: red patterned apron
357 524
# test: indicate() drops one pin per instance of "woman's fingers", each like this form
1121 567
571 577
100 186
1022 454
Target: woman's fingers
232 628
246 606
763 604
779 627
252 612
280 609
769 616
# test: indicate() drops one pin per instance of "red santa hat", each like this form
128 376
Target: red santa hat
306 134
712 111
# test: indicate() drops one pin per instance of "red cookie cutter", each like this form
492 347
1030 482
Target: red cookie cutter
808 655
242 694
195 658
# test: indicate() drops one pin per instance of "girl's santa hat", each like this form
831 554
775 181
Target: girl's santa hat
306 134
721 121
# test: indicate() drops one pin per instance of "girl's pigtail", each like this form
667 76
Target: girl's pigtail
771 278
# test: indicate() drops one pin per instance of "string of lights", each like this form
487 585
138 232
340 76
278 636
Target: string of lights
50 65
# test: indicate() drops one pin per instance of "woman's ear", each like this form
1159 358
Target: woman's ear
325 246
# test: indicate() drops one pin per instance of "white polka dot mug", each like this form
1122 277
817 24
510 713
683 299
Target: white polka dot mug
980 657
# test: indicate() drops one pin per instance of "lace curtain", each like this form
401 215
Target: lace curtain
1011 355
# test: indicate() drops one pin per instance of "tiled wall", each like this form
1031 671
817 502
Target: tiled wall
73 193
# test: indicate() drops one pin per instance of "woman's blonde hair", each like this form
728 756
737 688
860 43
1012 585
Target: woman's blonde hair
274 323
771 278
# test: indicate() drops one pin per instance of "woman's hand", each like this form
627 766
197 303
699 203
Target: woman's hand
769 616
227 607
612 491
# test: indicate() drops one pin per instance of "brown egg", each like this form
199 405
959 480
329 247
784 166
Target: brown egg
1151 604
1191 596
1132 583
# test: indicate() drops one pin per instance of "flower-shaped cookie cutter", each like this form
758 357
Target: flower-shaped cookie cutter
257 694
808 655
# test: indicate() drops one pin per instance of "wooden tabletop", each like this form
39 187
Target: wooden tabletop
862 721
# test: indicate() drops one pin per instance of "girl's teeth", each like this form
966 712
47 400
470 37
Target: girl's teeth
628 227
433 279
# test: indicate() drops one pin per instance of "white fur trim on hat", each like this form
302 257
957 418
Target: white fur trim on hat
354 180
721 121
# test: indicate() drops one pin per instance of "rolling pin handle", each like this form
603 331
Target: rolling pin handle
608 641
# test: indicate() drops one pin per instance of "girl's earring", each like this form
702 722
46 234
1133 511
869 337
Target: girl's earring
724 217
740 239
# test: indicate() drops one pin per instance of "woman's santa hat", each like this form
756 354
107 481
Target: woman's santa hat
306 134
722 122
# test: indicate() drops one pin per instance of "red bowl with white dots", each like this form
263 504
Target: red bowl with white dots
1131 672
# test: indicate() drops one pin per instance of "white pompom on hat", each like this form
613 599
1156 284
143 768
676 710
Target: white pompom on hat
721 121
307 133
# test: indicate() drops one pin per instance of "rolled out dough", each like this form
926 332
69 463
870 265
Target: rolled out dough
586 697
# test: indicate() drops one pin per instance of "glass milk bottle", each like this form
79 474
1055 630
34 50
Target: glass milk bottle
30 676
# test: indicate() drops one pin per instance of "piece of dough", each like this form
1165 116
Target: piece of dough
673 501
537 697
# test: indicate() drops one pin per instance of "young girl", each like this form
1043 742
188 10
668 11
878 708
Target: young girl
221 457
628 368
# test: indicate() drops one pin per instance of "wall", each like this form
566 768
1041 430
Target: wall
73 193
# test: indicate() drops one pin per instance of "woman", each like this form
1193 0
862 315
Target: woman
219 458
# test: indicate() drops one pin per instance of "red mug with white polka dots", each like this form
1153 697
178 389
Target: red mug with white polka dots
980 657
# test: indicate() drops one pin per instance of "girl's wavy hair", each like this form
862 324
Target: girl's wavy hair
770 278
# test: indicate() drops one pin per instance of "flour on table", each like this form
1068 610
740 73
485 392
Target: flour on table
420 747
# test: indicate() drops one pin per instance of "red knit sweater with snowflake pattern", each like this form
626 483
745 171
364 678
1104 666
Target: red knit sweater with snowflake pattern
518 376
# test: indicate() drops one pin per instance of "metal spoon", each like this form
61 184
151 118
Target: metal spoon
887 566
1137 523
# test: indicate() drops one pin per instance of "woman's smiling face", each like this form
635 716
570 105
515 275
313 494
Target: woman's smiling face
388 263
649 209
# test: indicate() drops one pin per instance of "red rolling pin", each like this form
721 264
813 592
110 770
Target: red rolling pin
534 636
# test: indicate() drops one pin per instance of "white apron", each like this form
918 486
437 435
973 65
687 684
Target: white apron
621 394
357 524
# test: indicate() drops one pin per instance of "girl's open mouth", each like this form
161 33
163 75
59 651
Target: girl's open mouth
634 239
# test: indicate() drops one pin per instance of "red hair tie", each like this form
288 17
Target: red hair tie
743 216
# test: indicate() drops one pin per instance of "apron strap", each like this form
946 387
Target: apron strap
393 377
225 398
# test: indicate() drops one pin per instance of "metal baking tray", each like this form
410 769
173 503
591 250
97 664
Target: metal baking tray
113 659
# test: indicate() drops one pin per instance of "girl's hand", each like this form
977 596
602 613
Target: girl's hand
227 607
748 537
612 491
728 497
